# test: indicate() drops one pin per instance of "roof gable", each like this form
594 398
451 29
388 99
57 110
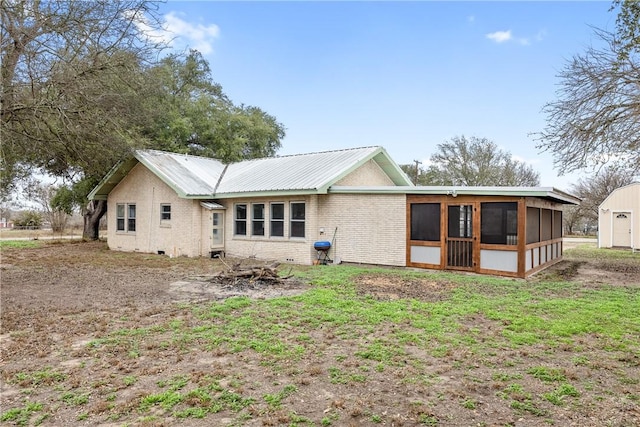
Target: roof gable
625 188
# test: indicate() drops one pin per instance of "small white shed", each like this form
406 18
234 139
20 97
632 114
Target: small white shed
619 218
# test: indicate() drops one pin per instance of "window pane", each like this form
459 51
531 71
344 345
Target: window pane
120 217
297 229
241 228
165 212
241 220
425 222
258 211
297 220
257 228
277 220
277 228
297 211
277 211
499 223
241 211
131 223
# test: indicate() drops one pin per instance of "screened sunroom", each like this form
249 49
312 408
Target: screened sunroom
504 231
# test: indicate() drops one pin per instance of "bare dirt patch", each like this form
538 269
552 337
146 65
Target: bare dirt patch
94 336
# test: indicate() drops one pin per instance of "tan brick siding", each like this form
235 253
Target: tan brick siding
285 249
179 236
370 228
368 174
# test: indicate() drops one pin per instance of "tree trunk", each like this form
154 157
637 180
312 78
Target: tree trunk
95 210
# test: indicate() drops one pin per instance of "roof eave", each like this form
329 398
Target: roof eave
112 179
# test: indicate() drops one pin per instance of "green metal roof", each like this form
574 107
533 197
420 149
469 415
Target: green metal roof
204 178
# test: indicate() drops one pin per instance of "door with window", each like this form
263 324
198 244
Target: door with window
461 236
217 230
621 232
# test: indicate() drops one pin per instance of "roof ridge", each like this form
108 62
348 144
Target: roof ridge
260 158
184 155
328 151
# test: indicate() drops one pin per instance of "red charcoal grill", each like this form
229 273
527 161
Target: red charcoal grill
323 247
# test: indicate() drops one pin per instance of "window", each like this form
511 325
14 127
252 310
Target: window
277 220
131 218
425 222
125 217
257 219
297 219
120 217
499 223
241 220
165 212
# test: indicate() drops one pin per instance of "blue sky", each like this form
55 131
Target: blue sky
403 75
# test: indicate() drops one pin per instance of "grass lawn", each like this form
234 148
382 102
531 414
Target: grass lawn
362 346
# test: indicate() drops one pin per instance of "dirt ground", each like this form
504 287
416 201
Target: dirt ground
56 299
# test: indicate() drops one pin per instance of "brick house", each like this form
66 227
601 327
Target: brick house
358 199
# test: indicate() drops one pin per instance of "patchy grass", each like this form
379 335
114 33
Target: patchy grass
20 244
363 346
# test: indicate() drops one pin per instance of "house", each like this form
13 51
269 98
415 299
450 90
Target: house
618 218
357 199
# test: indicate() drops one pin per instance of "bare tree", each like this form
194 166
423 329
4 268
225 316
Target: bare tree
43 195
477 162
595 189
596 119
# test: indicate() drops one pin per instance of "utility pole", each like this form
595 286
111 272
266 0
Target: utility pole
417 162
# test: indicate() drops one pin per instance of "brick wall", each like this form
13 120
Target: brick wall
179 236
370 228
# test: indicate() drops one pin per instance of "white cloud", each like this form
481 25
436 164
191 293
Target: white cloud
196 36
507 36
176 32
500 36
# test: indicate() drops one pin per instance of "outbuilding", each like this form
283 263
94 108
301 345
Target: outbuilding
618 218
358 200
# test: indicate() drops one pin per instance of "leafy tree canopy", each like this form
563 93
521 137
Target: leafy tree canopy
475 162
81 88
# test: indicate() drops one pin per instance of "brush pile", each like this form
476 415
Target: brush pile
238 275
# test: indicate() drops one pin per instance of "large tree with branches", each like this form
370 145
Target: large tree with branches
476 162
83 86
596 119
70 76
